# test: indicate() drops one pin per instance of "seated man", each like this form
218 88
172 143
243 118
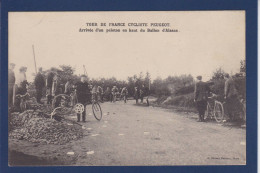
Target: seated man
83 95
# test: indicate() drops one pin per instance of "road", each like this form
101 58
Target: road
138 135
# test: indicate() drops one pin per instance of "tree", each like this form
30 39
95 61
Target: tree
218 74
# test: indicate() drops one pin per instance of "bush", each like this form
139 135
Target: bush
184 90
186 100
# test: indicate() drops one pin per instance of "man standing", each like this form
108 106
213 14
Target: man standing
201 93
114 93
20 86
124 94
49 81
39 85
11 82
83 95
136 94
21 81
230 95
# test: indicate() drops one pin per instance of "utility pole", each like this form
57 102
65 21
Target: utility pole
34 60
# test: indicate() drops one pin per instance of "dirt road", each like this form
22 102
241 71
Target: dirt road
139 135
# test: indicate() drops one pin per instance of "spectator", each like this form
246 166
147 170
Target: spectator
39 85
11 83
201 93
20 86
136 95
49 81
231 96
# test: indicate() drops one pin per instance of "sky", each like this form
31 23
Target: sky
206 41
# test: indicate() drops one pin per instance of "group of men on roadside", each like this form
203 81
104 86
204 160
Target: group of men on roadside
16 84
202 92
140 92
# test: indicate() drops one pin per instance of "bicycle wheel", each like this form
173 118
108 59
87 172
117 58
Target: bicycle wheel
218 111
97 111
62 104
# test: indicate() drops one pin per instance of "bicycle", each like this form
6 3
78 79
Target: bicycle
23 101
216 112
65 104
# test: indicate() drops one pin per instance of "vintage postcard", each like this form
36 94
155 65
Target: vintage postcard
127 88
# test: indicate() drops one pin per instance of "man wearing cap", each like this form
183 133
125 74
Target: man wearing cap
11 82
231 96
39 85
83 95
201 93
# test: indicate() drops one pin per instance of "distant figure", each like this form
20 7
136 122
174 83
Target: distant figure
11 83
21 81
124 94
100 93
49 81
141 93
39 85
136 95
231 96
114 93
94 92
83 95
108 94
200 97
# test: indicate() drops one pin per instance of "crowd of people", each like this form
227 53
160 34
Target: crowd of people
85 91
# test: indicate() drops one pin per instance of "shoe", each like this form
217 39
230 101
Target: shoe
84 121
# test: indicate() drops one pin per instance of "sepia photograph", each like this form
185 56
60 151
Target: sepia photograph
127 88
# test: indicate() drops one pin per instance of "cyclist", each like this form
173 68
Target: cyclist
124 94
114 93
100 93
83 95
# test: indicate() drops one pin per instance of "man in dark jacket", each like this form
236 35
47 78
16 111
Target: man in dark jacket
201 94
11 82
231 97
39 85
83 95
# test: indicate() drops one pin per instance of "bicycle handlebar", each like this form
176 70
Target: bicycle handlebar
19 95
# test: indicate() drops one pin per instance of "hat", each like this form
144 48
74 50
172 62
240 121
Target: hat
199 77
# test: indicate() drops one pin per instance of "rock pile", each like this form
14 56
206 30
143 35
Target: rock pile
35 127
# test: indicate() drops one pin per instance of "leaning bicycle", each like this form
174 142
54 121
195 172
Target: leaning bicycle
64 104
23 105
215 109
